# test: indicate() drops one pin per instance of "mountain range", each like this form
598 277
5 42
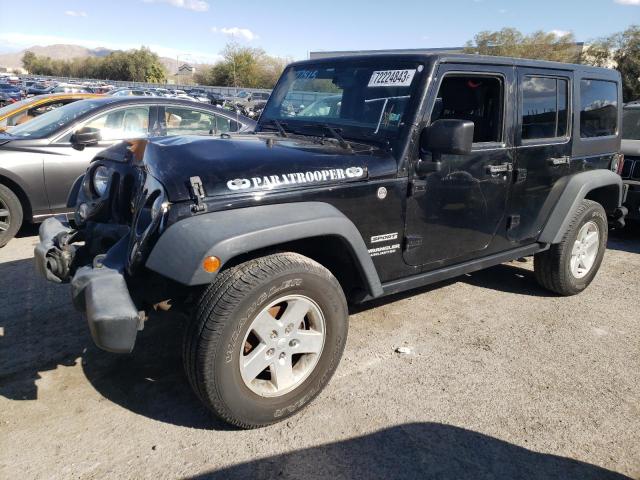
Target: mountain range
67 52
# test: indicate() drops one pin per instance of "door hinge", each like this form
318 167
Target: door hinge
412 241
417 187
197 190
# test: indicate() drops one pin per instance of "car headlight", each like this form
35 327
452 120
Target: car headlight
100 180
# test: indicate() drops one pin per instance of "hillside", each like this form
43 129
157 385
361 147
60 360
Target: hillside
67 52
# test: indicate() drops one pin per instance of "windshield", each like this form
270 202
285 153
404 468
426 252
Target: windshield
631 123
362 100
48 123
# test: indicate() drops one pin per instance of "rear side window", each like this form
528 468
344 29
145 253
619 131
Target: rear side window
598 108
544 107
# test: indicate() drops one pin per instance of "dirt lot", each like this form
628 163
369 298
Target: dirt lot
504 381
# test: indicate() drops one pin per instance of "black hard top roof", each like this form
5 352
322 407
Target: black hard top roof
464 58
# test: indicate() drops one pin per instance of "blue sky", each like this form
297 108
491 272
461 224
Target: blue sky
197 30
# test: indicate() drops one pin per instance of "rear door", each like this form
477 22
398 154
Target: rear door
543 147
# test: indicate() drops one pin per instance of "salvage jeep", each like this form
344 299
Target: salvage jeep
417 168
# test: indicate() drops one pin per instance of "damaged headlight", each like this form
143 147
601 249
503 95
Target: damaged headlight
100 180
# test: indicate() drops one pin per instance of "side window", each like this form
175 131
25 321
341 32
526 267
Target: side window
224 125
188 121
598 108
122 124
475 98
544 107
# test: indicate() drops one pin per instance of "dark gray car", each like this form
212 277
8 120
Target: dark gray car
40 160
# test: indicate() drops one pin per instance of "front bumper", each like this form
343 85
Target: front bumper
99 290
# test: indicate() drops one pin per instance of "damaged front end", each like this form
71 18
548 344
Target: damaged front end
116 222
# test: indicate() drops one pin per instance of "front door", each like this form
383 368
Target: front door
454 214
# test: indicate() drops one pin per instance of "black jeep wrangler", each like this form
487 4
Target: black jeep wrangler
402 170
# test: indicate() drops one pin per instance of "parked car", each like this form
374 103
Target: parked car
32 107
630 171
249 99
9 94
441 165
40 160
39 88
68 88
131 92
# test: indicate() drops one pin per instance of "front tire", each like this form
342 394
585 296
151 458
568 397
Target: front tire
568 267
10 215
265 339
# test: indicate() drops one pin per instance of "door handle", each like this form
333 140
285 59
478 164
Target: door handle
565 160
497 169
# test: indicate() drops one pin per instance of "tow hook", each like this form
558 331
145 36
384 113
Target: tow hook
618 217
59 260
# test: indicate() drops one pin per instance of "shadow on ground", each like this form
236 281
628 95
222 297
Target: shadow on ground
43 332
626 239
417 451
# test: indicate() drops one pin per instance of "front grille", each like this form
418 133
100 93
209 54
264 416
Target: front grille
631 168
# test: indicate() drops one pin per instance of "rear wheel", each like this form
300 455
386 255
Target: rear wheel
265 339
10 215
569 267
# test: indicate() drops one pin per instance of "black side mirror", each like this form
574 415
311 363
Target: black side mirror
447 137
84 137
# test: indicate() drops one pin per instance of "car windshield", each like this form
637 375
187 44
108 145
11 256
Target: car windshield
363 100
631 123
48 123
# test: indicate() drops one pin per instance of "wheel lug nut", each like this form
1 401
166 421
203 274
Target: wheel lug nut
294 343
270 352
282 356
274 334
289 328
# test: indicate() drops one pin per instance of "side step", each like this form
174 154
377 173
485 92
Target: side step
434 276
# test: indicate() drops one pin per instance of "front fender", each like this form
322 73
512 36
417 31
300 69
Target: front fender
180 250
577 188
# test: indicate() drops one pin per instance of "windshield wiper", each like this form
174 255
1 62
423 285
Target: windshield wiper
279 125
334 133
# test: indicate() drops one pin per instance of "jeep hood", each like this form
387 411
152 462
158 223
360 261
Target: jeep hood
253 164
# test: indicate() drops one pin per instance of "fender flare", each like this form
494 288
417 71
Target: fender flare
180 250
576 189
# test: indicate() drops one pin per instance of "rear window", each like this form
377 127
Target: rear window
598 108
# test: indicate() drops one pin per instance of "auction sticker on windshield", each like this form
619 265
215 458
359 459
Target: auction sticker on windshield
391 78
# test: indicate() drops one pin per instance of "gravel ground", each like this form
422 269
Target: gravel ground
503 381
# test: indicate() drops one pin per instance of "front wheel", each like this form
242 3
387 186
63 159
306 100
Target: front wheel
569 267
265 339
10 215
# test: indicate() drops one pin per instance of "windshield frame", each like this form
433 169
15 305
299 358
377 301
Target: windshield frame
352 132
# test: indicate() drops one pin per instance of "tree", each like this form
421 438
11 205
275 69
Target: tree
510 42
243 67
621 51
140 65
